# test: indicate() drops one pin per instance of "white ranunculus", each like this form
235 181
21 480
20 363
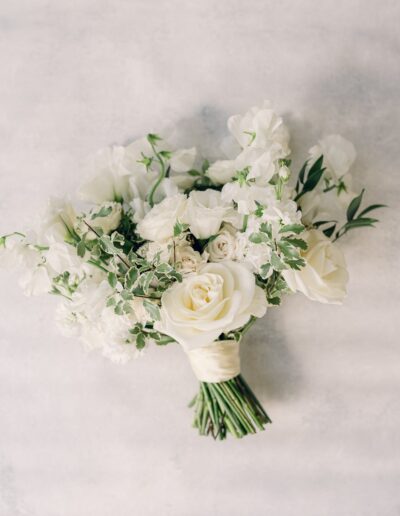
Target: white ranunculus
221 297
106 217
325 276
186 259
223 246
158 224
260 127
339 155
205 212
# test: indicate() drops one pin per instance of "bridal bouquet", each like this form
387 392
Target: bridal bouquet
167 247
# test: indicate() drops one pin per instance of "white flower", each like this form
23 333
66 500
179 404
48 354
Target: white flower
325 276
106 217
261 164
108 177
35 281
260 127
223 246
246 196
255 255
205 213
220 298
63 257
57 222
339 155
183 160
186 259
158 224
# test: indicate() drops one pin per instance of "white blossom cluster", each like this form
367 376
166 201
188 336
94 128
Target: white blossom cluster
173 248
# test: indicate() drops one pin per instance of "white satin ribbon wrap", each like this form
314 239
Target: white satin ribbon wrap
217 362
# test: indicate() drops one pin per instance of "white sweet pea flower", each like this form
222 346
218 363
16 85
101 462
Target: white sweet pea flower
246 196
325 276
63 257
108 177
158 224
183 160
261 163
339 155
224 245
57 222
36 281
221 297
205 212
260 127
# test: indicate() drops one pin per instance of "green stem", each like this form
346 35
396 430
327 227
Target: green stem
161 176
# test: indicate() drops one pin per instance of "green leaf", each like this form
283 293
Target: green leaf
112 279
354 205
110 301
205 166
194 173
179 228
81 248
265 270
372 207
165 154
119 309
275 301
107 245
258 238
131 277
277 263
328 232
297 242
266 228
153 138
152 309
103 212
140 340
292 228
359 223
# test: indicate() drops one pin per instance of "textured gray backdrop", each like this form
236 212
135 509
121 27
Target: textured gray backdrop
80 436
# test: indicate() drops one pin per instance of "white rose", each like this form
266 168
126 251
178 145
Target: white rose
205 213
186 259
107 218
260 127
220 298
223 246
339 155
325 276
158 224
